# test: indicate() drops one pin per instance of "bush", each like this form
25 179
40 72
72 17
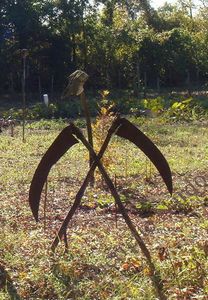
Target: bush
186 110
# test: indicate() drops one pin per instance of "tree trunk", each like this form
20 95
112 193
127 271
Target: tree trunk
197 78
145 84
52 87
188 82
138 75
158 84
119 78
11 84
39 88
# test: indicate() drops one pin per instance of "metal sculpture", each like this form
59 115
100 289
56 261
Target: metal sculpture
72 135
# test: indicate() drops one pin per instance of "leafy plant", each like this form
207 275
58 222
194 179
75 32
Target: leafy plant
146 207
185 110
45 124
155 105
182 204
100 128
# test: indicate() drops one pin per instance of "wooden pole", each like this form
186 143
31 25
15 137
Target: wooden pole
79 195
155 275
24 55
75 87
89 130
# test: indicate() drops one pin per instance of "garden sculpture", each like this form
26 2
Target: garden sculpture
71 135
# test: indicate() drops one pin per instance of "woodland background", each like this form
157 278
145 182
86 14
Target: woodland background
120 44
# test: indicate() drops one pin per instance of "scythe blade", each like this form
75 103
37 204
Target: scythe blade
58 148
130 132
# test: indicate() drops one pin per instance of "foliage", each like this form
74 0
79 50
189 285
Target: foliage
169 109
183 204
38 111
45 124
174 108
185 110
100 128
155 105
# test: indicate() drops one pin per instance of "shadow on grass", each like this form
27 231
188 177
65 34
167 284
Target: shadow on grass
7 285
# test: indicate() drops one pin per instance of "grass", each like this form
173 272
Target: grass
104 261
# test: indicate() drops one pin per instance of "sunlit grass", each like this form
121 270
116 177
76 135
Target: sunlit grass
103 261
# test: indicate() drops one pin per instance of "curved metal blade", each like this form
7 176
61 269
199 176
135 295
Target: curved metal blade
130 132
58 148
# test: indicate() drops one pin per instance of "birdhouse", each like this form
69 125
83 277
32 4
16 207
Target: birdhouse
75 85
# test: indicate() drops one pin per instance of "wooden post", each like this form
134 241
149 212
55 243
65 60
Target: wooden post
75 87
24 55
12 128
89 127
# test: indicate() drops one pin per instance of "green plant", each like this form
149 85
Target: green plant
100 128
44 124
155 105
185 110
145 207
105 201
182 204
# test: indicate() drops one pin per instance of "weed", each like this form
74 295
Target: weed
186 110
155 105
100 129
146 208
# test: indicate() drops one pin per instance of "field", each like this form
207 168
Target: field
103 260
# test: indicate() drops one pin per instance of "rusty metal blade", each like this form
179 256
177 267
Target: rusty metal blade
58 148
130 132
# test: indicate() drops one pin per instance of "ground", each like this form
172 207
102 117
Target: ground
103 260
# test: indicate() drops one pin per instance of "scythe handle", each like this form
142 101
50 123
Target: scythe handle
82 189
155 276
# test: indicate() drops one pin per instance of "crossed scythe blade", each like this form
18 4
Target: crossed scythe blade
59 147
68 137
